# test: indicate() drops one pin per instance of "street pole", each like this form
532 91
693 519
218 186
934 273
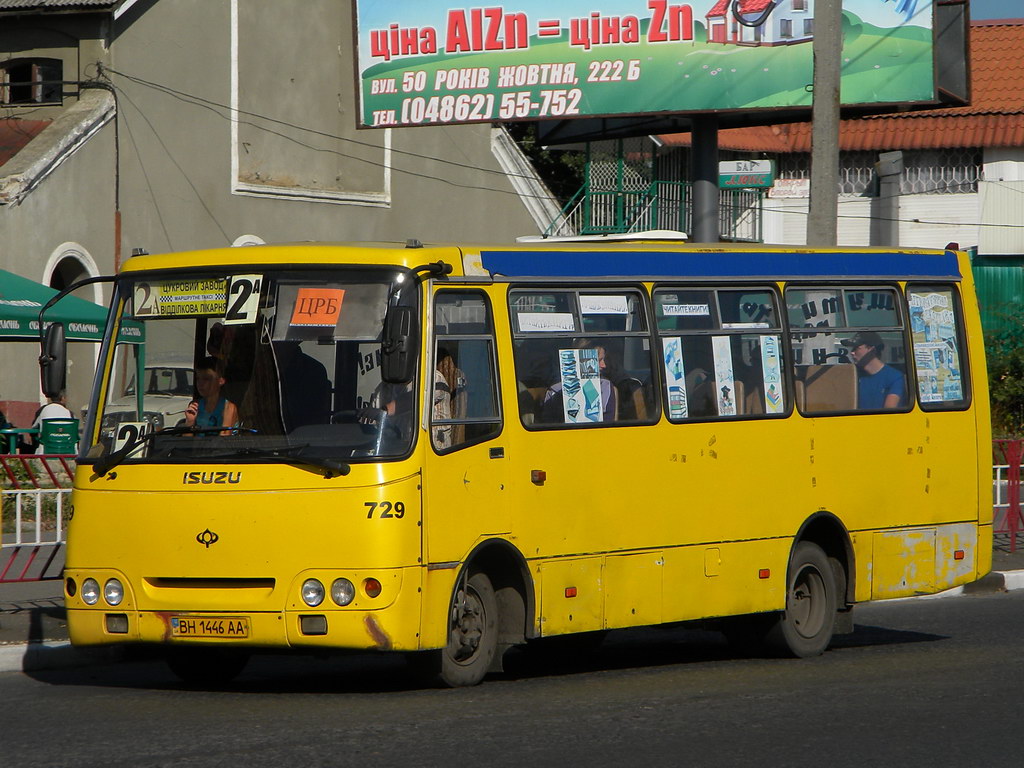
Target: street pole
704 151
822 225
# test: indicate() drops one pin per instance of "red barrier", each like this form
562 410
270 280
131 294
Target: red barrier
1011 451
33 492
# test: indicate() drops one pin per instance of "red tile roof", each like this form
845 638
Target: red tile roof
746 7
995 117
15 134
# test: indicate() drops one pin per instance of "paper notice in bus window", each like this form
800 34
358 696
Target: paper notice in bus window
734 326
180 298
934 334
604 305
771 375
724 380
675 377
317 307
546 321
685 310
580 374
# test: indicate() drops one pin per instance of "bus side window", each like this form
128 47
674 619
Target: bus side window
582 357
849 349
721 351
465 390
936 333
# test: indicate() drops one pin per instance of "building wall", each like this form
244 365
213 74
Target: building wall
992 218
291 167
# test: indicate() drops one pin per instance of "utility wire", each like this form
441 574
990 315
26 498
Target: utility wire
217 108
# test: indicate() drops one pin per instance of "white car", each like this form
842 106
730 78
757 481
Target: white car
169 390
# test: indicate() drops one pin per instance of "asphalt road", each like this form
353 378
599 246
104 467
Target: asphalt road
922 682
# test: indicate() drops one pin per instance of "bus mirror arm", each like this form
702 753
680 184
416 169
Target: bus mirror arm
53 343
401 326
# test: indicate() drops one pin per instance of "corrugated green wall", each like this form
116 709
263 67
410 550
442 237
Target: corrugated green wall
1000 282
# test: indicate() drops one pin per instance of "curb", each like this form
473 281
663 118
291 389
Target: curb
35 657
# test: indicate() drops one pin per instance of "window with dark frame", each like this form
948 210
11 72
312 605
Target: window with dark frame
31 81
849 349
466 408
936 336
721 351
582 357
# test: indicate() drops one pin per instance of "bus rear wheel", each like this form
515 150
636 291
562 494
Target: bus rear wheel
472 633
805 628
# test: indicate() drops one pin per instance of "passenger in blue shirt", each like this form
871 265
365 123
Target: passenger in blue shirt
212 409
879 386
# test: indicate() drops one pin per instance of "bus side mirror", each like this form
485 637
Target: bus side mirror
53 361
398 350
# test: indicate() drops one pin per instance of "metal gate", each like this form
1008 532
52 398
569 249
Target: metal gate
34 508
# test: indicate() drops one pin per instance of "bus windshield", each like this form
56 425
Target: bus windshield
271 362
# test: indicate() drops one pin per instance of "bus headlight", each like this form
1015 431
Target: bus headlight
113 592
90 592
312 593
342 591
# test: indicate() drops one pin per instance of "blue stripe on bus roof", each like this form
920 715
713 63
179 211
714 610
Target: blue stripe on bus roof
732 264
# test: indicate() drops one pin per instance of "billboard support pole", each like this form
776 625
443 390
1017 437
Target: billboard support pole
822 224
704 148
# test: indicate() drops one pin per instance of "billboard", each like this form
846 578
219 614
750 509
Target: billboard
428 63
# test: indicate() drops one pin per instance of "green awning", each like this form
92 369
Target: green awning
20 302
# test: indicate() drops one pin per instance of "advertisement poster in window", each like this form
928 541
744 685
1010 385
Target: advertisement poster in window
581 386
724 379
933 329
675 377
772 375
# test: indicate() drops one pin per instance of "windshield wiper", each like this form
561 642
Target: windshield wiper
103 465
293 455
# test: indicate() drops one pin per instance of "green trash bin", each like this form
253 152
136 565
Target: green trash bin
59 435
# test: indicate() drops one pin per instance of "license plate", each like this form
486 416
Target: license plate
227 627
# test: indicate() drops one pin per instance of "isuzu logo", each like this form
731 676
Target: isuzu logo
211 478
207 537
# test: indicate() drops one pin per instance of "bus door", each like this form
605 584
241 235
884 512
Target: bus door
466 466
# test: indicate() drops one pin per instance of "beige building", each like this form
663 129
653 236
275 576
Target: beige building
177 124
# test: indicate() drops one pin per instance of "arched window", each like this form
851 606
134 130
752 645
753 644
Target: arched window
31 81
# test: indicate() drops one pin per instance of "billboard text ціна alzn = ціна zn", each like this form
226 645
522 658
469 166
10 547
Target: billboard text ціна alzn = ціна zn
423 63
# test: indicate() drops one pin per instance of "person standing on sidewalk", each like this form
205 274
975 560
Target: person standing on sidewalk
55 408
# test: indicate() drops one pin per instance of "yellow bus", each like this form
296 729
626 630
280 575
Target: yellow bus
452 450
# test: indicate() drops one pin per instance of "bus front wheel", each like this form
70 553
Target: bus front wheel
472 633
805 627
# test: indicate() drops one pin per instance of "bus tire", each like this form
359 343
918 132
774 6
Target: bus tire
472 633
206 666
805 627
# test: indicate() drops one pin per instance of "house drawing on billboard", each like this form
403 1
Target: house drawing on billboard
760 22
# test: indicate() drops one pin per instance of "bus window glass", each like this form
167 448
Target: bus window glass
851 357
293 357
814 308
603 377
867 308
552 312
465 401
611 312
724 368
685 310
938 355
741 309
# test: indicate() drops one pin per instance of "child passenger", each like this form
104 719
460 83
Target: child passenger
211 409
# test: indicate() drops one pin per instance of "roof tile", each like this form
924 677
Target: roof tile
994 118
15 134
